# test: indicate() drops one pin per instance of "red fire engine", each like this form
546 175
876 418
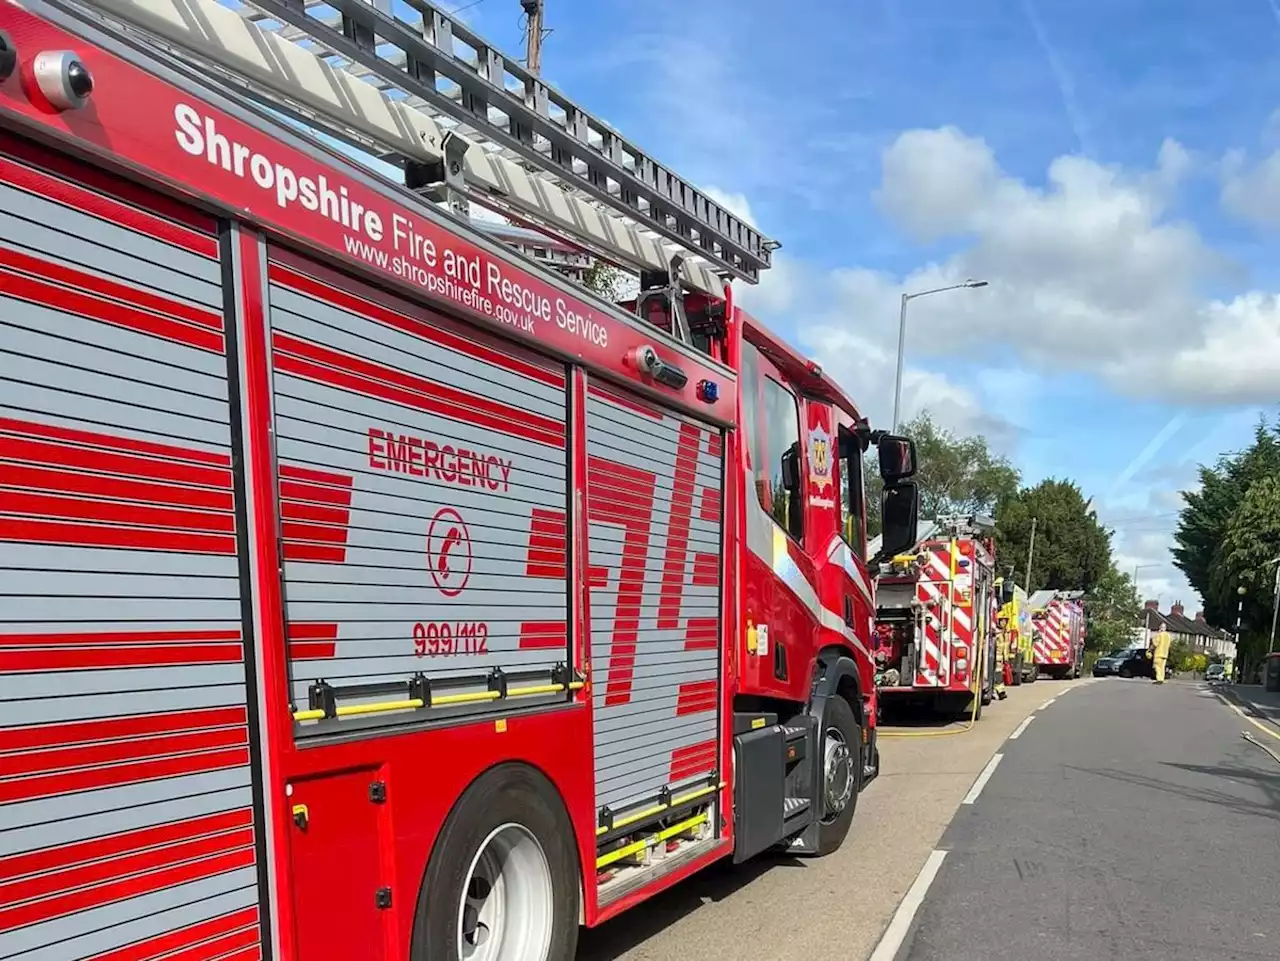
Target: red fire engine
1057 623
935 628
368 592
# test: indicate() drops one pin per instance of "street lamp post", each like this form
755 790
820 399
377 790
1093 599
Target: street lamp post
1136 568
902 337
1240 592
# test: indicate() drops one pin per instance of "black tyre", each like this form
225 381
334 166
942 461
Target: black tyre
841 761
502 882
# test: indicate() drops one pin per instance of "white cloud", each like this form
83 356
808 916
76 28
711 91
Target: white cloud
1089 272
867 371
1238 355
736 203
1251 191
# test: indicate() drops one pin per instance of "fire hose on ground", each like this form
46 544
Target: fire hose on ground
1256 743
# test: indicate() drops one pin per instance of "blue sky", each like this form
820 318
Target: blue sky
1107 165
793 116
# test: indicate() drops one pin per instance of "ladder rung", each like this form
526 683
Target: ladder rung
651 194
287 77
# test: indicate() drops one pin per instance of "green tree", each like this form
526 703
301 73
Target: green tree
1072 550
1207 516
957 475
1251 542
603 279
1112 610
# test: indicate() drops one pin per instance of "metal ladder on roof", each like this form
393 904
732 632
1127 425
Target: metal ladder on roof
463 122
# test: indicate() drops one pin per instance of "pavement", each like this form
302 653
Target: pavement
1128 821
1260 703
836 907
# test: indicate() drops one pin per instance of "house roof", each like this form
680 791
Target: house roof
1180 624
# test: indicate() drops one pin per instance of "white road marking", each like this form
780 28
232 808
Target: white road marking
1017 732
1047 703
899 927
1254 721
983 778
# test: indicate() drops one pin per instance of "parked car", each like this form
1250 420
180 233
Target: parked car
1108 665
1215 673
1136 662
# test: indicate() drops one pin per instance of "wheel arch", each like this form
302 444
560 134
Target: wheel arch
835 674
554 792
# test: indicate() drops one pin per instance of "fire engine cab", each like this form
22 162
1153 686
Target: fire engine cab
369 590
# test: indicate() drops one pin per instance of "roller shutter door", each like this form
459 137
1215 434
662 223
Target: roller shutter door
654 493
423 494
127 825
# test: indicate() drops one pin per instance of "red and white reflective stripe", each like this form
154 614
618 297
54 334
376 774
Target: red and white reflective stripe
930 662
939 566
839 553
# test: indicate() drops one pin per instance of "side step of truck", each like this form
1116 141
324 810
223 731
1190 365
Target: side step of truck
777 780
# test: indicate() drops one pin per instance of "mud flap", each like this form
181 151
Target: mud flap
870 760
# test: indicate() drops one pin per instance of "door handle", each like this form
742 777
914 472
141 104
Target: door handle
848 610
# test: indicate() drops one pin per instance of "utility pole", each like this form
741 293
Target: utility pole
1031 551
1275 607
533 55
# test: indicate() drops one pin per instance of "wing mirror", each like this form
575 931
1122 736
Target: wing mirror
899 518
897 458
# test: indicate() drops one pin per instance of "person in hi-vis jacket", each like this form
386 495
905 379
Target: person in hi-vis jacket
1159 651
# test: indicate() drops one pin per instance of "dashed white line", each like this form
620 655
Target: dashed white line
1047 703
983 778
899 927
1017 731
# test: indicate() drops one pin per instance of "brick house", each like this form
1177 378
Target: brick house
1195 632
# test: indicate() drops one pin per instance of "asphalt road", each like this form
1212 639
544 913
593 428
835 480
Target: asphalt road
833 908
1128 821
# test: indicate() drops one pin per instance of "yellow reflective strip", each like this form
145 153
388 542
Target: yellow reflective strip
692 796
379 707
638 846
637 816
659 808
621 853
539 689
383 706
465 698
680 828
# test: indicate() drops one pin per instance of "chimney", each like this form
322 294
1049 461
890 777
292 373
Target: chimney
1176 610
1199 617
1152 605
